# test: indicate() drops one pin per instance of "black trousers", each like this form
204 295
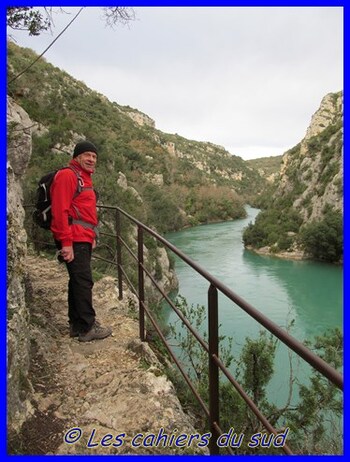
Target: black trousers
81 313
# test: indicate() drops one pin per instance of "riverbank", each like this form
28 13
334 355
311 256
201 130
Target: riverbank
293 255
297 255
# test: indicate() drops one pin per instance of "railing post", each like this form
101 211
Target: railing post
213 337
141 283
119 254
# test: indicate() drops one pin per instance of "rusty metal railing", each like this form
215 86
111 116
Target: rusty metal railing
212 346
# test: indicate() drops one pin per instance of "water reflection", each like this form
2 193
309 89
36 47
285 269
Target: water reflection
314 290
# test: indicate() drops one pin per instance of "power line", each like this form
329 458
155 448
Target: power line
42 54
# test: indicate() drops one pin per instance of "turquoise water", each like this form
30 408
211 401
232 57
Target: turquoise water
309 293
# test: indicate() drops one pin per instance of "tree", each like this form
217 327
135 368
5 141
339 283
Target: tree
26 18
323 240
320 402
195 360
258 368
118 14
35 21
316 422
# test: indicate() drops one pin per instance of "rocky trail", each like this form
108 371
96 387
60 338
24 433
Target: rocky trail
103 397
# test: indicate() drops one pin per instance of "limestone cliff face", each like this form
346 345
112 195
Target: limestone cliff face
312 172
18 155
330 110
141 119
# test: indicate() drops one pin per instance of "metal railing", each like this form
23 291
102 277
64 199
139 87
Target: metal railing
212 347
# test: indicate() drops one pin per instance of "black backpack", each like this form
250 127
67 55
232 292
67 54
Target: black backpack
42 213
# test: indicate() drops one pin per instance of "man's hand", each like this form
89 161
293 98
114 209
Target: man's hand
94 244
67 254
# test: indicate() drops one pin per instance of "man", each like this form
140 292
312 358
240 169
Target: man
74 222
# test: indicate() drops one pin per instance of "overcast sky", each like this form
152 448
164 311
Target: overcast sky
246 78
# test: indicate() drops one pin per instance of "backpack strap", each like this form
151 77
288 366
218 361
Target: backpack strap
84 224
80 188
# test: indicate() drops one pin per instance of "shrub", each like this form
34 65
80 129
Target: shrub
323 240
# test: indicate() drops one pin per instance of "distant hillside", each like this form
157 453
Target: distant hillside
268 167
304 211
165 180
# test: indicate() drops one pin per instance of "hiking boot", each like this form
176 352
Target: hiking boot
97 332
72 331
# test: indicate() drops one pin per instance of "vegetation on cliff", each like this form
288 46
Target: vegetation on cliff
307 412
179 182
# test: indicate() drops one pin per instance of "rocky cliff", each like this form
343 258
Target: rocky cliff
302 211
18 341
314 168
268 167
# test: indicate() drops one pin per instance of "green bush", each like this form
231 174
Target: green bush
285 242
162 211
254 369
323 240
272 226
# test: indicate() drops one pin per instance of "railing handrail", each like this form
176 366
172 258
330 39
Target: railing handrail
310 357
213 339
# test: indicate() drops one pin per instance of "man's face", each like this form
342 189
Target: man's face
87 160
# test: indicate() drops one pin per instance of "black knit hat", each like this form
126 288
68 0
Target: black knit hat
84 146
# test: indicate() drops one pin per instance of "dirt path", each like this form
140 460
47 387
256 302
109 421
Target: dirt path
111 392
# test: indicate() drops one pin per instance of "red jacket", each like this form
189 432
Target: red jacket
65 205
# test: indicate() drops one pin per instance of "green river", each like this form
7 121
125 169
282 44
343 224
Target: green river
309 293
